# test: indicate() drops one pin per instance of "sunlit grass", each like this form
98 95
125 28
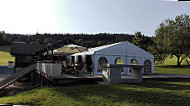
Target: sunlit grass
5 55
169 66
172 70
173 61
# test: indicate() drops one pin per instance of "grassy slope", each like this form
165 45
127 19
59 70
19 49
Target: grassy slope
4 55
146 93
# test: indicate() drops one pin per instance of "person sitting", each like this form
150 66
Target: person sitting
64 67
80 68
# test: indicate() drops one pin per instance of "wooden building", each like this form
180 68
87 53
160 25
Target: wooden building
24 53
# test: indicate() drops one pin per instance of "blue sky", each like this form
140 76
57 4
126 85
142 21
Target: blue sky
87 16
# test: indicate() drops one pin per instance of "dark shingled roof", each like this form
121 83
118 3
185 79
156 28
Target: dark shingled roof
20 48
57 45
25 49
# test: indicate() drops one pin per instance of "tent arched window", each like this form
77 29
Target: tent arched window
119 61
134 61
147 66
102 60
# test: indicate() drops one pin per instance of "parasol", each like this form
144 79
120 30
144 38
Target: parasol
70 49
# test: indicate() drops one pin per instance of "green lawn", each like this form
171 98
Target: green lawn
146 93
173 61
172 69
5 55
169 66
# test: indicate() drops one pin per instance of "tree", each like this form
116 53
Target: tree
99 43
172 38
38 41
47 40
3 39
142 41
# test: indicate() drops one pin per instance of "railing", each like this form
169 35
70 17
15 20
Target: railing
49 68
6 82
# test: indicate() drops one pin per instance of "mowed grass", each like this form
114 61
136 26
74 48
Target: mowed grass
169 66
173 61
172 69
5 55
146 93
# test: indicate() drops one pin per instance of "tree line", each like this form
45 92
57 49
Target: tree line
3 39
171 39
87 40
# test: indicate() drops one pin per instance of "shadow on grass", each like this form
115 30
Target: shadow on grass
167 84
126 94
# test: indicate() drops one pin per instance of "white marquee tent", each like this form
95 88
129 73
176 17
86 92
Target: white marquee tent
125 51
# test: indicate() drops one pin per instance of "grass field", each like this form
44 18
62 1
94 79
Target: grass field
5 55
171 69
173 61
169 66
146 93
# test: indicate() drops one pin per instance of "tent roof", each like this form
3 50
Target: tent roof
72 45
101 47
71 48
121 48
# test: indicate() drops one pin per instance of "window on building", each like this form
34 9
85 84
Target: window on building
119 61
133 62
79 58
73 59
89 66
147 67
102 60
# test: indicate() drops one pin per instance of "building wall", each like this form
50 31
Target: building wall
23 61
126 59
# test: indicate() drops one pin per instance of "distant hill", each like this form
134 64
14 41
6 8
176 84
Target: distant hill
88 40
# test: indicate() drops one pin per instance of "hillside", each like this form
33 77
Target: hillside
5 55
